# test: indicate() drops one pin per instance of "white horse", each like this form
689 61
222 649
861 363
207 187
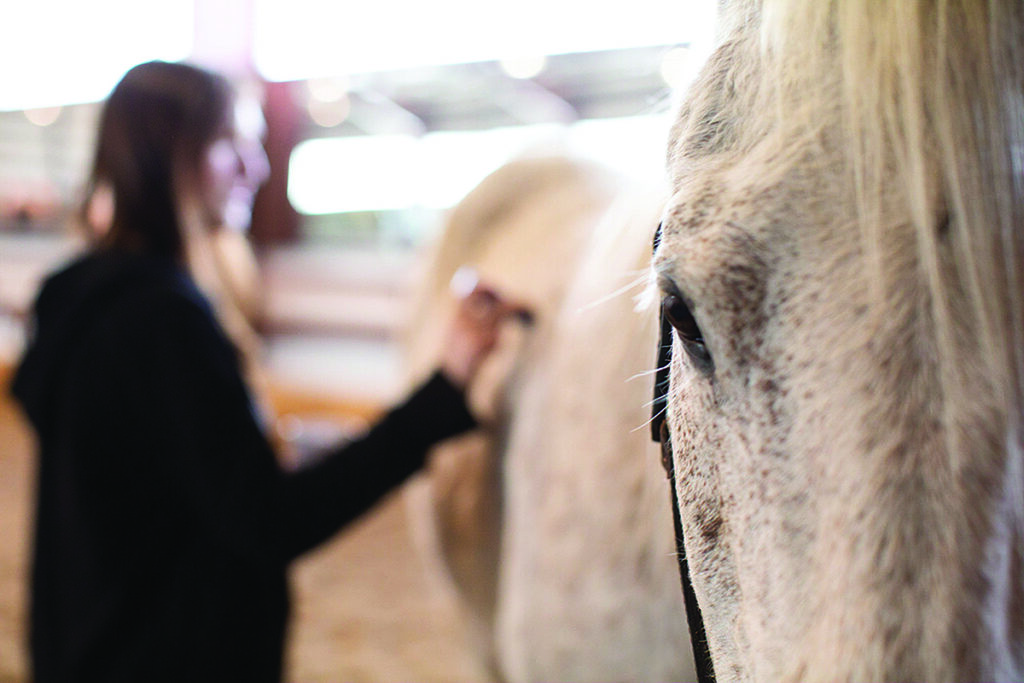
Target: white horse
554 523
842 264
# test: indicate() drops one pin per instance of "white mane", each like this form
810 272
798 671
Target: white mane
848 227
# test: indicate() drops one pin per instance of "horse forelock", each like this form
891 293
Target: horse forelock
917 109
931 103
932 108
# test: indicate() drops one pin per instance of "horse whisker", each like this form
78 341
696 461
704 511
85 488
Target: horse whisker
647 373
617 293
647 423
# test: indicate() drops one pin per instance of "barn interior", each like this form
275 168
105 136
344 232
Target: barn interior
380 117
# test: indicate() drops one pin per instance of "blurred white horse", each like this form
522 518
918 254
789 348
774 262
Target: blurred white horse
554 523
843 265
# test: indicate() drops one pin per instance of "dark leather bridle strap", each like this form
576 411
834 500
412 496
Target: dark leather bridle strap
660 433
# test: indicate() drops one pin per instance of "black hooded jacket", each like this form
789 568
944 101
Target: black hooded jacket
164 525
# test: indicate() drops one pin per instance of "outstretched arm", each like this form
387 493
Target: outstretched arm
321 499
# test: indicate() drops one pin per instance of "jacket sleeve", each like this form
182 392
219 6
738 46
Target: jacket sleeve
322 498
209 449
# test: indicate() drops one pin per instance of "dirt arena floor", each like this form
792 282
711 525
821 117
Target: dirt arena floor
364 607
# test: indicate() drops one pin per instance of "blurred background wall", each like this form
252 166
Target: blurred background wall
381 115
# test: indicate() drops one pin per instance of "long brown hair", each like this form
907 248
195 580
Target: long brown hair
153 129
153 132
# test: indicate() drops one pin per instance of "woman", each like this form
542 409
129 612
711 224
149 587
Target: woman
164 523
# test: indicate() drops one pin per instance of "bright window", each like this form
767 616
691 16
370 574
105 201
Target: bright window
302 39
392 172
62 52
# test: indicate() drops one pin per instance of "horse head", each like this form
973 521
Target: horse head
841 264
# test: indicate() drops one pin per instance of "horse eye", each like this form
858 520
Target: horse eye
679 316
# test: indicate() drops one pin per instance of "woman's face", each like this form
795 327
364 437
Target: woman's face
232 168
